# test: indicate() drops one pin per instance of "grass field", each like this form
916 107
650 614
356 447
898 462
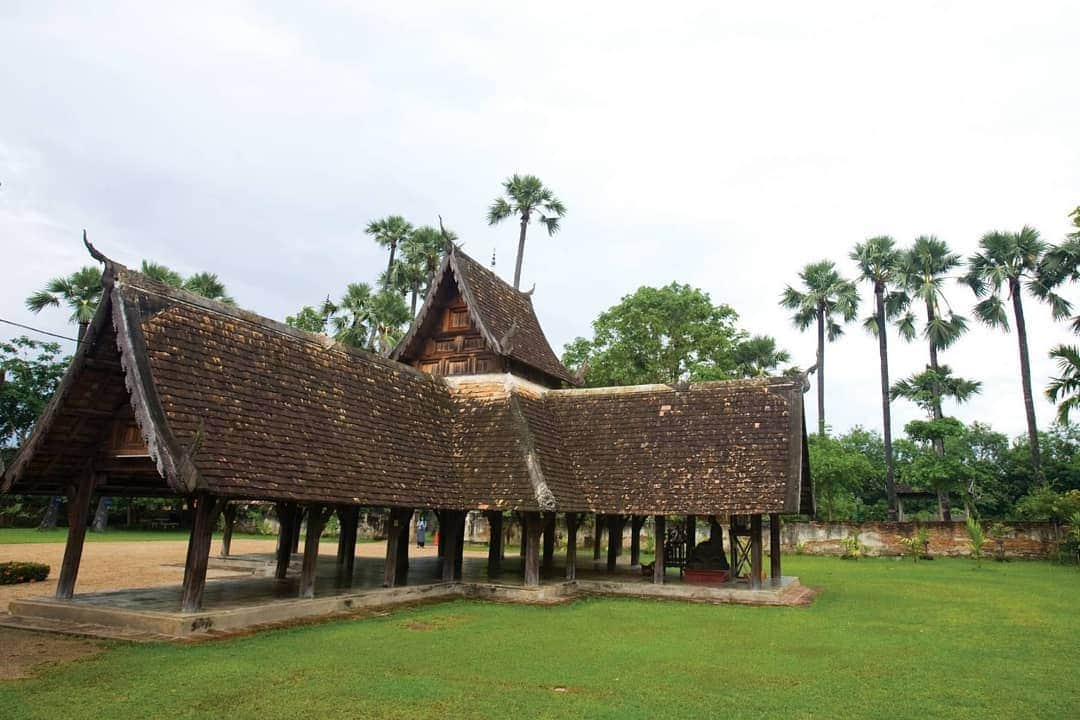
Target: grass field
886 638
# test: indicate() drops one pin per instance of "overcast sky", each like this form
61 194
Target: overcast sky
725 148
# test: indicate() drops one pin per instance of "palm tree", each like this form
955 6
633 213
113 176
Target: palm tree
758 356
388 315
526 196
390 232
426 247
879 263
209 286
80 291
406 277
1064 390
825 295
926 389
161 273
1011 260
925 268
351 317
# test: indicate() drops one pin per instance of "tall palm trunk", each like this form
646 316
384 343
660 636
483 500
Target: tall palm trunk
821 371
886 409
415 292
944 504
83 325
390 264
521 249
1025 377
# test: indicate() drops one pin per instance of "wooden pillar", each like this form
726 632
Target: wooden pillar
286 530
495 542
533 529
733 540
449 537
636 523
459 557
350 520
226 537
549 544
571 545
78 517
658 565
691 535
523 522
755 551
316 521
401 573
616 523
297 525
396 569
598 527
207 509
774 549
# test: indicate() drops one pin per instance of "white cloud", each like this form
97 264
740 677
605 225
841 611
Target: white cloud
720 145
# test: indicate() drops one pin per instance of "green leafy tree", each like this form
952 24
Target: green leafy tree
879 263
824 297
426 247
351 318
524 197
389 316
30 372
655 335
405 277
1009 262
1064 389
942 473
80 292
839 473
390 232
758 356
308 318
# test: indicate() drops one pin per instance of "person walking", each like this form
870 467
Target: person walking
421 532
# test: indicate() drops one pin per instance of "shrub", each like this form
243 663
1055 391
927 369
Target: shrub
917 544
21 572
851 548
800 548
1070 546
976 538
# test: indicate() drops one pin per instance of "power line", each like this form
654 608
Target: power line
34 329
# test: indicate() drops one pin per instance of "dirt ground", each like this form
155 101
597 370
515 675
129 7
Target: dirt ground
107 566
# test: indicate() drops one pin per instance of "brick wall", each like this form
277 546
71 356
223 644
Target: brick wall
1024 540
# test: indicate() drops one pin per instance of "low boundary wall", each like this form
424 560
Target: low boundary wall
1030 540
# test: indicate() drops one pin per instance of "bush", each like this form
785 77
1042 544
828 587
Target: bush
917 543
999 532
976 538
21 572
1070 546
851 548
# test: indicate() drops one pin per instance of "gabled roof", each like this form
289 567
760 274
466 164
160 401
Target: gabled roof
504 316
234 404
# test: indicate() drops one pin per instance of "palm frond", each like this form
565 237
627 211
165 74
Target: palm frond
991 311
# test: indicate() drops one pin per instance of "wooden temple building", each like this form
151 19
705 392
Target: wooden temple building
171 394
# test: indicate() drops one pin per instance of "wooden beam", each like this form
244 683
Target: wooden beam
78 517
459 557
755 551
495 542
298 524
549 544
774 549
636 523
691 535
733 538
571 545
660 532
533 528
230 522
317 515
616 524
207 509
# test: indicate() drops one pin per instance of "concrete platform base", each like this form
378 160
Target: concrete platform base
138 614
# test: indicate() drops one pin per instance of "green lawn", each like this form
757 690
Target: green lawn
886 639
